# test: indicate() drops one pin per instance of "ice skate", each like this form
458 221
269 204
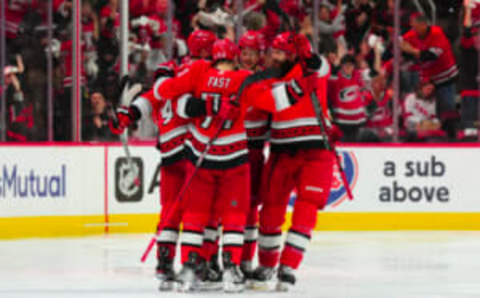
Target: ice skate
167 278
188 279
214 275
164 270
286 278
261 277
210 276
247 271
233 280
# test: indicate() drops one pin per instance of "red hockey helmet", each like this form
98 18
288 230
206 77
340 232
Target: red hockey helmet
200 39
293 44
284 42
224 49
252 39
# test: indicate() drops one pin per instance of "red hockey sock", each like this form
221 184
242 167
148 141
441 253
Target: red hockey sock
210 242
192 234
269 247
303 221
232 243
250 235
268 258
248 252
167 242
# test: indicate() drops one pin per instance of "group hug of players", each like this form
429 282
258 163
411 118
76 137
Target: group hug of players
234 192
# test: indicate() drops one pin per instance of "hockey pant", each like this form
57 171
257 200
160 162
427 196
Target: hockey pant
224 193
172 179
310 172
256 159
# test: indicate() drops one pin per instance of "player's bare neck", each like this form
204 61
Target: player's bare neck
225 66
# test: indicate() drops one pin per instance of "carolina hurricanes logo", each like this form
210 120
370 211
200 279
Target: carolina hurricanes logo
338 193
349 94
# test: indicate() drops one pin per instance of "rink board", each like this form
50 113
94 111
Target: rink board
72 190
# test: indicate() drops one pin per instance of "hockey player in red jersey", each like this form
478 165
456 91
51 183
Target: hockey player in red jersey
172 135
221 184
298 160
251 46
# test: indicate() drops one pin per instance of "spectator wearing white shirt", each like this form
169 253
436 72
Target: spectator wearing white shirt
420 117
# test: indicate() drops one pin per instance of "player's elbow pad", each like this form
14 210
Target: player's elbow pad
142 107
191 107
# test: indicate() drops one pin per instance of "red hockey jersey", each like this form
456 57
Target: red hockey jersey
346 99
298 127
66 52
442 69
382 116
172 129
204 81
257 124
15 10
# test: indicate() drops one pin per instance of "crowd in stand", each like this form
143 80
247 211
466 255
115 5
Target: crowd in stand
437 101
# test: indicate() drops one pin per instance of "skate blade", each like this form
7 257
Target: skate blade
167 286
249 284
209 286
186 287
233 288
283 286
259 286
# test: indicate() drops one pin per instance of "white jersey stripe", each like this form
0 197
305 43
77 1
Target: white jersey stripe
310 121
297 240
168 236
232 238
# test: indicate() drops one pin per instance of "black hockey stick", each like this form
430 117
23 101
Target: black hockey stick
326 142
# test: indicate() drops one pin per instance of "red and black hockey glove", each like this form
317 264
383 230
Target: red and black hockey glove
163 70
299 87
229 110
308 59
335 134
123 118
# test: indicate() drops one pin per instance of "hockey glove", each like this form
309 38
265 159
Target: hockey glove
123 118
166 69
309 60
335 134
229 109
224 108
299 87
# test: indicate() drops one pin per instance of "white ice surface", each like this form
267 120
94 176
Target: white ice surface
338 264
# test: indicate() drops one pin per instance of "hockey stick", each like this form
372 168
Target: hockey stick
263 75
329 145
127 96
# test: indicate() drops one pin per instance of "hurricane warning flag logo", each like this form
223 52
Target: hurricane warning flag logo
338 193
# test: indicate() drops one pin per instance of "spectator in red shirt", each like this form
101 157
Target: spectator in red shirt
110 20
433 53
346 99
